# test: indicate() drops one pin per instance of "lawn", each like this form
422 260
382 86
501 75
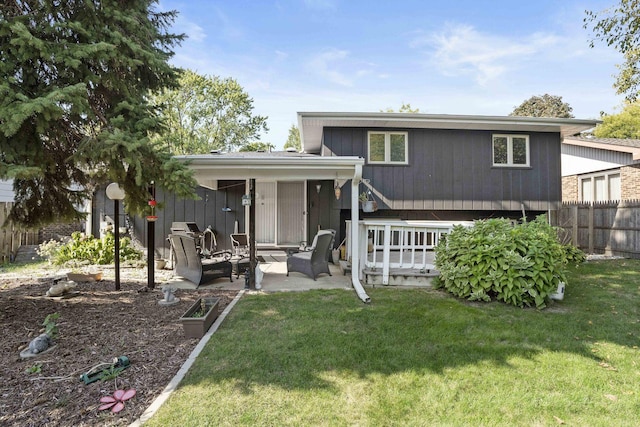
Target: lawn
421 357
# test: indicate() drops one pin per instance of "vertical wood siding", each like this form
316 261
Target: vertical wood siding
577 159
452 170
6 191
204 212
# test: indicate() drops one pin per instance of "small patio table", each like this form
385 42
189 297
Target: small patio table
240 264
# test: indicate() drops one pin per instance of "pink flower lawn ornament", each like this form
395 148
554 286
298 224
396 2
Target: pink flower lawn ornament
116 402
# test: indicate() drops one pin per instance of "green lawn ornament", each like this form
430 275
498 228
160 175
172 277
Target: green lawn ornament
104 369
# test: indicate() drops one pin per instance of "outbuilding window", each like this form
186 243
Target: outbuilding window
600 187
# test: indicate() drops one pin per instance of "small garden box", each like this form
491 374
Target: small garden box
196 327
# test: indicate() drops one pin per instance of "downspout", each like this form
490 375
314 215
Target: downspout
355 240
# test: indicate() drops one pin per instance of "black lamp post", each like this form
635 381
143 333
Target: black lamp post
115 193
151 243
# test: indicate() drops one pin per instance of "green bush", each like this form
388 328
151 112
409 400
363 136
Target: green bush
89 249
518 264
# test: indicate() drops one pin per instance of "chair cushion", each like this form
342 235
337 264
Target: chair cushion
302 255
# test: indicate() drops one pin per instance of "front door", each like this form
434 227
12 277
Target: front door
280 213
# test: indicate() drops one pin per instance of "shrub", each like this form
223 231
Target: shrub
89 249
518 264
49 250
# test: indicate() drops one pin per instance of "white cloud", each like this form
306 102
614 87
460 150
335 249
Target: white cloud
230 29
320 4
194 31
326 65
280 55
462 50
339 67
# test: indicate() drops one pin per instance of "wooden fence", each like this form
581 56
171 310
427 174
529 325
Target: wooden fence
610 228
12 237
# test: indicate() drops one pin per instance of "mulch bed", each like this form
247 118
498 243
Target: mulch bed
96 326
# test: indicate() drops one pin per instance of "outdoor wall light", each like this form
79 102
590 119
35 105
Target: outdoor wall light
226 207
318 187
115 193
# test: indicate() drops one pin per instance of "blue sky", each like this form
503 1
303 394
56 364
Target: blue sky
448 57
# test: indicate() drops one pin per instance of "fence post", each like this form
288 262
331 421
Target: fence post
590 232
574 230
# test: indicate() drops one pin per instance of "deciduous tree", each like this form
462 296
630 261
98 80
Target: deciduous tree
207 113
544 106
619 27
257 146
405 108
74 77
626 124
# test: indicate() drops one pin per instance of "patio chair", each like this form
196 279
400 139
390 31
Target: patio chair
312 263
191 266
240 244
315 242
208 245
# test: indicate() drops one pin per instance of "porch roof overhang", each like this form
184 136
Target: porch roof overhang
311 124
285 166
209 168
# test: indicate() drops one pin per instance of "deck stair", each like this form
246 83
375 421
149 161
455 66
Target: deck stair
400 277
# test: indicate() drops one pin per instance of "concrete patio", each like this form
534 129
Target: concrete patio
274 279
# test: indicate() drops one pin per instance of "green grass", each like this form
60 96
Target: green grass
26 268
421 357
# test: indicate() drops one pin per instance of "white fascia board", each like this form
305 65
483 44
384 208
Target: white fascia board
207 168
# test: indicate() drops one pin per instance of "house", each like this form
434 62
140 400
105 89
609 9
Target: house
447 167
600 169
418 167
6 191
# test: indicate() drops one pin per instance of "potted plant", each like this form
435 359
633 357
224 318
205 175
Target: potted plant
160 263
368 204
78 276
197 320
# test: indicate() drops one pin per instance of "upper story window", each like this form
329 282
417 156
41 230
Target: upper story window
388 147
511 150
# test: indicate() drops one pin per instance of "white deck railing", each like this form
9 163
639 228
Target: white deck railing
398 244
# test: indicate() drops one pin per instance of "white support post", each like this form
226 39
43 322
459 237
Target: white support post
386 251
355 238
363 245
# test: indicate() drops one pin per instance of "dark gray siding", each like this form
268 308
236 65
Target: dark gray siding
205 211
452 170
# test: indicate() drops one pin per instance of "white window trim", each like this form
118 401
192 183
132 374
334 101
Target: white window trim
509 163
387 147
592 177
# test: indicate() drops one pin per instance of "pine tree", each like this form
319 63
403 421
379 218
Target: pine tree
293 140
75 75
